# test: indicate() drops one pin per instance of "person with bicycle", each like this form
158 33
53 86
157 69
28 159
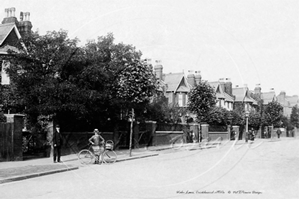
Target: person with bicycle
97 142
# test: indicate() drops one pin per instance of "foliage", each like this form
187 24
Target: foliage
2 117
201 100
218 116
272 114
254 119
295 116
136 83
237 118
79 86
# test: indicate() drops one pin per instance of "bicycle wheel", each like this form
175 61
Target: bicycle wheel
86 157
109 156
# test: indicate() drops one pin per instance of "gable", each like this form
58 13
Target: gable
173 81
183 87
9 34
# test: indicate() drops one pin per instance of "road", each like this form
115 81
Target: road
263 169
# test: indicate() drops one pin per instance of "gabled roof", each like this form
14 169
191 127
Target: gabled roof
6 29
293 100
242 95
176 82
268 97
220 93
218 89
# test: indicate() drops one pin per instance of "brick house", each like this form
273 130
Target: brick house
288 102
174 86
243 98
223 90
11 31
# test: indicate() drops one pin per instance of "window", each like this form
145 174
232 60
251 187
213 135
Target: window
180 100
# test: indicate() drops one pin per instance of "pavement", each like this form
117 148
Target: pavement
22 170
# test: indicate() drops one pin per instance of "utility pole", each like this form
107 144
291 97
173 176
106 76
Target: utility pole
131 132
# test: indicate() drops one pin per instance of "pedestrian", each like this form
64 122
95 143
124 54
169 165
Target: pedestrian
234 134
57 143
252 134
97 142
200 136
278 132
265 133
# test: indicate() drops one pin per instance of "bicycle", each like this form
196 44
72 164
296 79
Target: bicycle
109 156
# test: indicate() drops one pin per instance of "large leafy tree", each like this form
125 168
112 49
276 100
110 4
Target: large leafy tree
295 116
201 100
272 114
254 119
36 71
78 85
135 86
218 116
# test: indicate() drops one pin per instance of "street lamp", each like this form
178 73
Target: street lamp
247 116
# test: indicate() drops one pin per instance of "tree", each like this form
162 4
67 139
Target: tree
201 100
272 114
237 118
136 85
295 116
78 85
254 119
218 116
37 72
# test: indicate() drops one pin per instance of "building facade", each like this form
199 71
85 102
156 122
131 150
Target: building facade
11 31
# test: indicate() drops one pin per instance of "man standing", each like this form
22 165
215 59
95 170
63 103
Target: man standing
278 133
57 142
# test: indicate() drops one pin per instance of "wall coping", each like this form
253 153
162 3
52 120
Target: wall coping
169 132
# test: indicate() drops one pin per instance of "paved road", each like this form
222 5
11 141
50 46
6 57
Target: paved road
264 169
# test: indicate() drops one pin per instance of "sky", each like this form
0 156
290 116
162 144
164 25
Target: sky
250 41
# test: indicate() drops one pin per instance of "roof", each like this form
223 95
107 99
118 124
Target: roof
242 95
293 100
268 97
176 82
5 30
220 94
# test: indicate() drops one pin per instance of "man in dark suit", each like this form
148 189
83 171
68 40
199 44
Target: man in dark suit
57 143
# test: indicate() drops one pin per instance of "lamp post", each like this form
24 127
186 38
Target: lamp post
247 116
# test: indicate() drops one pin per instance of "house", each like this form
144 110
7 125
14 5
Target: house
223 90
11 31
174 86
243 98
288 102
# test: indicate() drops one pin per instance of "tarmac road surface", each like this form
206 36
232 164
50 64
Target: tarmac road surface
263 169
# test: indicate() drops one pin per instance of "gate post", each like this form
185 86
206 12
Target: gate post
204 130
17 121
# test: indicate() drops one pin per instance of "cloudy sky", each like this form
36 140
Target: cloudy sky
249 41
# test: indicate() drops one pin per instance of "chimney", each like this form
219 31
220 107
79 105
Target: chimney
198 77
191 79
10 16
222 83
25 25
158 69
257 89
228 86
